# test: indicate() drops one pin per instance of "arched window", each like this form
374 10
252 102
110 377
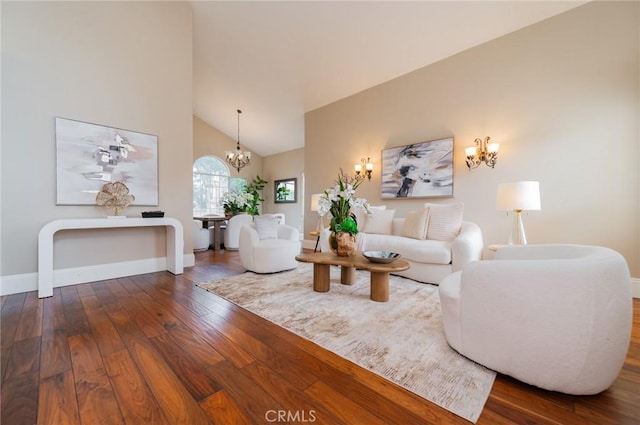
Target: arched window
210 181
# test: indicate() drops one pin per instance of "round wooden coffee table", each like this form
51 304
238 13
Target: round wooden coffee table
379 271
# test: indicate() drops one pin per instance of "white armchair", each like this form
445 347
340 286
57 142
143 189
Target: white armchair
232 233
554 316
200 236
269 255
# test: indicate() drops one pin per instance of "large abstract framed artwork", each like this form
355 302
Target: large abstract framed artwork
90 155
420 170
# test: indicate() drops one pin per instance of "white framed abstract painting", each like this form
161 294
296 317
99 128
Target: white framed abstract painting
90 155
419 170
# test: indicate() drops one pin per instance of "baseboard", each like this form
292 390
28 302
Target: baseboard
26 282
310 244
635 287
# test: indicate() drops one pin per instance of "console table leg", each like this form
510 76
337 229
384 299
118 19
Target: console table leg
321 277
380 286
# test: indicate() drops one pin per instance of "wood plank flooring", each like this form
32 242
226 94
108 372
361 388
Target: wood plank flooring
155 349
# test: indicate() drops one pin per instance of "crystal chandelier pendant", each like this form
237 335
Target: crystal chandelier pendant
238 159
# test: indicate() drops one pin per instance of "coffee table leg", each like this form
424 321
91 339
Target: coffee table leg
347 275
321 277
380 286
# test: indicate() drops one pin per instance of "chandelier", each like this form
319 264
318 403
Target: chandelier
238 159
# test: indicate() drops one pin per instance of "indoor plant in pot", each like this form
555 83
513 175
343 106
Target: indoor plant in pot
339 200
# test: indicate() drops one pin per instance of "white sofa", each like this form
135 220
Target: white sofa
430 260
554 316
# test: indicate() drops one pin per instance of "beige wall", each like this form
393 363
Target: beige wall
284 166
560 96
120 64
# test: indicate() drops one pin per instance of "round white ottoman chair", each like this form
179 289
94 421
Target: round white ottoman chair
555 316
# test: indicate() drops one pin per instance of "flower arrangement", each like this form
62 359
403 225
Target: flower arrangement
339 200
236 202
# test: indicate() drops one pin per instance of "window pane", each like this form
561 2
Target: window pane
210 182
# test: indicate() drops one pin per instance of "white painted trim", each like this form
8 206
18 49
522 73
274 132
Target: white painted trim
189 260
310 244
635 287
26 282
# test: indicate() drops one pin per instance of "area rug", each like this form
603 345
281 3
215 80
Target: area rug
401 340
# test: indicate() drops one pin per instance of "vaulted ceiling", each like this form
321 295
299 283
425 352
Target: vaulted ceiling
277 60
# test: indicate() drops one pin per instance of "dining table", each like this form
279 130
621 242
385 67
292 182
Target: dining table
218 221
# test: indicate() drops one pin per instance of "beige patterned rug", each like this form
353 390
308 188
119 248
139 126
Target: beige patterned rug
401 340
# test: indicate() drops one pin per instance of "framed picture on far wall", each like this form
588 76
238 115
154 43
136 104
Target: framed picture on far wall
90 155
420 170
285 191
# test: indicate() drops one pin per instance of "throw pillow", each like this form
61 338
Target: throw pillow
361 216
415 224
266 226
445 221
380 222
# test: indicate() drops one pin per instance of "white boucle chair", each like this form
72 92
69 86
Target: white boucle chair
269 255
232 233
555 316
200 236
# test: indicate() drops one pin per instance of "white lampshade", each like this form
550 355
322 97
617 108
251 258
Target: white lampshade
315 199
523 195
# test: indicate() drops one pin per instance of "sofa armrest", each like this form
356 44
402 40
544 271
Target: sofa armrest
467 246
247 239
288 232
248 235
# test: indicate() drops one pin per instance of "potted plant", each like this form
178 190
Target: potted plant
339 201
245 201
253 189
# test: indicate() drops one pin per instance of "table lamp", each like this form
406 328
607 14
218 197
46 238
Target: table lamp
315 199
518 197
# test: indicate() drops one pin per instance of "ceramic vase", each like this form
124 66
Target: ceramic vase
342 244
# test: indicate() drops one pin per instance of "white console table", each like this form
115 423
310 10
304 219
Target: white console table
175 243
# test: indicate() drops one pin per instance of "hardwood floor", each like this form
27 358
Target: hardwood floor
155 349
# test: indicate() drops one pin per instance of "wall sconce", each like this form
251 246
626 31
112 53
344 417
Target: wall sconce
368 167
483 152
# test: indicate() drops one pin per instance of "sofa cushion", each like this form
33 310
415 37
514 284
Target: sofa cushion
415 224
445 221
266 226
361 216
379 221
419 251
